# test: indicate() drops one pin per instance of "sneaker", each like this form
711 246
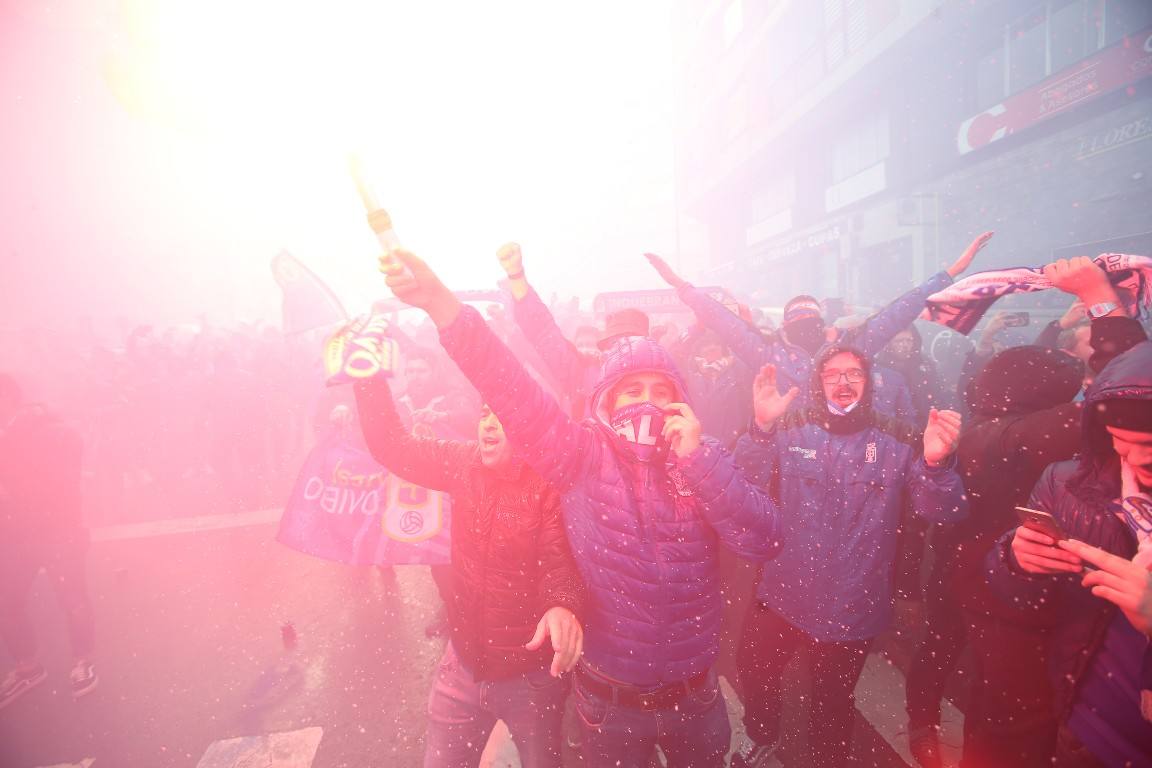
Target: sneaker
19 683
924 744
83 679
752 755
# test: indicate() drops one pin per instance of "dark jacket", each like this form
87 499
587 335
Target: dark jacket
840 482
510 558
1023 419
1077 493
723 400
645 536
793 363
40 481
919 374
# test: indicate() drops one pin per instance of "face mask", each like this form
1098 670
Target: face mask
806 334
642 426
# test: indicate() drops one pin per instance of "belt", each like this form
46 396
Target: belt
647 699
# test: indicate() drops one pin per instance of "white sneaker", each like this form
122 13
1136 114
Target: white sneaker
18 683
83 678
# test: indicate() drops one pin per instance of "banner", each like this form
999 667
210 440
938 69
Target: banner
361 349
308 302
1111 69
347 508
653 301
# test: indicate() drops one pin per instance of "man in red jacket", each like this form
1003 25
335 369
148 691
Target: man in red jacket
516 586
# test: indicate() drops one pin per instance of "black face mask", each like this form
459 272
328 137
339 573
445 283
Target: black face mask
808 334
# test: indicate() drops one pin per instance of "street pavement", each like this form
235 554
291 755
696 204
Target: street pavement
195 671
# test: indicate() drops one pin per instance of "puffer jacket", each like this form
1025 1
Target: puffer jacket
510 558
793 363
840 493
645 536
1078 494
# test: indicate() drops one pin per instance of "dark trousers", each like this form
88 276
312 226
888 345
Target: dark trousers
945 636
66 567
1009 721
769 642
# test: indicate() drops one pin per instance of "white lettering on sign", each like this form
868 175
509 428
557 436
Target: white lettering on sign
336 500
1114 138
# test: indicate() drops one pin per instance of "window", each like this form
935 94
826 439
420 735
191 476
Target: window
1071 36
990 79
1052 37
861 147
1027 51
1125 17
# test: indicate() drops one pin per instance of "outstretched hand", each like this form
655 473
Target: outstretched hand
941 436
562 626
414 283
665 271
970 252
767 402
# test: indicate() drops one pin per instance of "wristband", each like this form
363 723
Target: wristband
517 275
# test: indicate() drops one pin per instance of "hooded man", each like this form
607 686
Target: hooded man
515 586
839 471
1023 419
803 328
647 503
1094 588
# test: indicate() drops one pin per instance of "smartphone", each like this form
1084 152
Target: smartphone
1017 320
1040 521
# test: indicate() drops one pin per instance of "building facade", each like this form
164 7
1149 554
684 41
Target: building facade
853 147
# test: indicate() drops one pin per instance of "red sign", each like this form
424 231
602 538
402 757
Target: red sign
1113 68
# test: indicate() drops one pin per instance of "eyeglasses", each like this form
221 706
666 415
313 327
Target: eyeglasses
853 375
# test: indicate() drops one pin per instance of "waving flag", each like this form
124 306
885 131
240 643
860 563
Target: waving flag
308 302
961 305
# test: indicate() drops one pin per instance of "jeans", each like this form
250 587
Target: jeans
693 734
462 712
768 644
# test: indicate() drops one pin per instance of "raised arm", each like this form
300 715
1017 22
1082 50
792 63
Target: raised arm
535 320
746 342
934 485
552 443
881 328
427 462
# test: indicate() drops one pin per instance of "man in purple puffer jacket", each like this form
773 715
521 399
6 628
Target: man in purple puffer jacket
647 503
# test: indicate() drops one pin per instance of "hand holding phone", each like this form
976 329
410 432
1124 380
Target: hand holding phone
1039 520
1034 544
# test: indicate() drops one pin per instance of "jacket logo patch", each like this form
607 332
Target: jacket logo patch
808 453
870 453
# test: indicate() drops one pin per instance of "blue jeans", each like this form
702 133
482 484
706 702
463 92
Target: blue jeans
462 712
693 734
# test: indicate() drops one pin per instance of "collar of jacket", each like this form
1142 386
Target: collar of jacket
511 472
